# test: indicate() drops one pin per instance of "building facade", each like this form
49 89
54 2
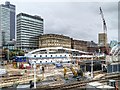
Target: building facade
29 28
79 45
102 39
7 23
92 47
54 40
102 42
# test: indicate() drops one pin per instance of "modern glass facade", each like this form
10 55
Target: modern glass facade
116 50
7 23
29 28
113 68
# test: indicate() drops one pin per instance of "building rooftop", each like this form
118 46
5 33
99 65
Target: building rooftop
8 5
55 35
30 16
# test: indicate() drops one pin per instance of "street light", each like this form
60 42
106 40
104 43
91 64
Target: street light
8 51
92 67
34 66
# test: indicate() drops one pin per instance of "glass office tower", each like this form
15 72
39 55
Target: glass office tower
7 23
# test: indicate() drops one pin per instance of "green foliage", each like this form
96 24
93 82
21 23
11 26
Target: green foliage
12 53
21 53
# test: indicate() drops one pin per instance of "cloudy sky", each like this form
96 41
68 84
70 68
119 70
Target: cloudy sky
79 20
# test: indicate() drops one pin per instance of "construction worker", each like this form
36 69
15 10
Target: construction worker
43 71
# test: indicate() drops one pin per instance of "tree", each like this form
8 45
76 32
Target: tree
21 53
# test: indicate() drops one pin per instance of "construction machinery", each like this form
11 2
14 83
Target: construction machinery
76 73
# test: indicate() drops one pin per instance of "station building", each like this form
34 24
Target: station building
79 45
92 46
55 40
114 60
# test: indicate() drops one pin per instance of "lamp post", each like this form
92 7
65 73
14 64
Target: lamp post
8 52
92 67
34 66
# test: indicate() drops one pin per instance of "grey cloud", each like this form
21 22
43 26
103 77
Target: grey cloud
79 20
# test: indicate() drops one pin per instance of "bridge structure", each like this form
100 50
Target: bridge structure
54 55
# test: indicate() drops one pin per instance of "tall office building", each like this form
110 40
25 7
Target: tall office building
7 23
0 38
29 28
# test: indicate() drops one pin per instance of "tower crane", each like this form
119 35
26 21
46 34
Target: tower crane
104 23
105 32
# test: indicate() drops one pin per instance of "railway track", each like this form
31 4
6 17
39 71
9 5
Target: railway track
7 82
83 83
73 85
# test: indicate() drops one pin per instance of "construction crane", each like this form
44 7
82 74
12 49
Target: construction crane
103 39
104 23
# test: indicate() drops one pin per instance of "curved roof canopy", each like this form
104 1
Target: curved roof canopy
115 50
55 48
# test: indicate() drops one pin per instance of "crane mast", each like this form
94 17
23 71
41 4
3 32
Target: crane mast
103 36
104 23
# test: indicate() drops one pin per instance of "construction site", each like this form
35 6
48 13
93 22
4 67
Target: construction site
49 76
58 68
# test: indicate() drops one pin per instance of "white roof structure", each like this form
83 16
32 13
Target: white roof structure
56 48
89 56
115 50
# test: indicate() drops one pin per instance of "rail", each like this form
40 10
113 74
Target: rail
83 83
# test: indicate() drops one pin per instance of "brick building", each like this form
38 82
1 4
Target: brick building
55 40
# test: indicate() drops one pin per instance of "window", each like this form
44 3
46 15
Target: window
51 61
46 61
51 55
40 55
34 55
45 55
40 61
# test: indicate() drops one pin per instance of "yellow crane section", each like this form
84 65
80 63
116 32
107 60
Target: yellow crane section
74 72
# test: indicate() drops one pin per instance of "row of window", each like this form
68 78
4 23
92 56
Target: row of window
29 19
52 61
51 55
30 25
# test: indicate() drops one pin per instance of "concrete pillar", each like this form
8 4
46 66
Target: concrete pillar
34 75
85 67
